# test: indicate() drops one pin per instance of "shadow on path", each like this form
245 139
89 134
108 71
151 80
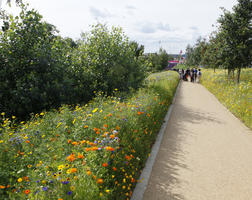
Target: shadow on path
166 177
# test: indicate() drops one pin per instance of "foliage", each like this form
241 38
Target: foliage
41 70
157 61
237 98
95 151
181 66
110 60
34 64
194 54
230 46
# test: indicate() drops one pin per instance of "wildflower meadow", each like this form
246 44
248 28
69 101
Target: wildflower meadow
237 98
95 151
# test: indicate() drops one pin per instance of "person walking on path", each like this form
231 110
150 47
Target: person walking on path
195 74
187 74
199 75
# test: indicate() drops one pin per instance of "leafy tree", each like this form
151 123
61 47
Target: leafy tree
109 59
33 62
157 61
230 47
164 57
194 54
236 34
138 49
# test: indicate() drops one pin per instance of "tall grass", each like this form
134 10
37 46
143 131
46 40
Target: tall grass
237 98
93 152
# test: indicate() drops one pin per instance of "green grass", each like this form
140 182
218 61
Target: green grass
93 152
237 98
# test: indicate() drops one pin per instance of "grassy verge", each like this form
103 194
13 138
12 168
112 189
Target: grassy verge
92 152
237 98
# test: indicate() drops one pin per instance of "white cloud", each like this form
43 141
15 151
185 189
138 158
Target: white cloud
130 7
174 23
98 13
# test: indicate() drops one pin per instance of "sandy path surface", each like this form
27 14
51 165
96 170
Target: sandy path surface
205 154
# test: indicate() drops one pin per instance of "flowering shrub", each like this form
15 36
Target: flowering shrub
93 152
237 98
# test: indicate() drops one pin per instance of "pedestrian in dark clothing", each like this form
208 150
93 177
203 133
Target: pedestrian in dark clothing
195 74
187 74
192 75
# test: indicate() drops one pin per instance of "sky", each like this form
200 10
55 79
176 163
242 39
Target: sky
170 24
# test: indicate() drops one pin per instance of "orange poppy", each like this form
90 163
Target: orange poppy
73 170
105 164
27 192
80 156
74 143
71 158
99 181
112 136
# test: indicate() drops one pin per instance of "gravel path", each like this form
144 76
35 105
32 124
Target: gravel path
205 154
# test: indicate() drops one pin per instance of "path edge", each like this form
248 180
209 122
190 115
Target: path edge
145 175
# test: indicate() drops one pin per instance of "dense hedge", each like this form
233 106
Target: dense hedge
41 70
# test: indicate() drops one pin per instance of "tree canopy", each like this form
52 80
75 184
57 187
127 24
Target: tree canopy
229 47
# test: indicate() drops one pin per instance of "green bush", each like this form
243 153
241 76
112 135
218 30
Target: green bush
41 70
33 62
109 59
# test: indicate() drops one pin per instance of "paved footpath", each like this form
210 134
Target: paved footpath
205 154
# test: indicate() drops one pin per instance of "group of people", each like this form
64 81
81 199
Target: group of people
192 75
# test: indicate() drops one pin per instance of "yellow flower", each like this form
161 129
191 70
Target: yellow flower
107 191
94 110
58 124
41 113
60 167
3 113
101 194
29 166
20 180
72 188
1 141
